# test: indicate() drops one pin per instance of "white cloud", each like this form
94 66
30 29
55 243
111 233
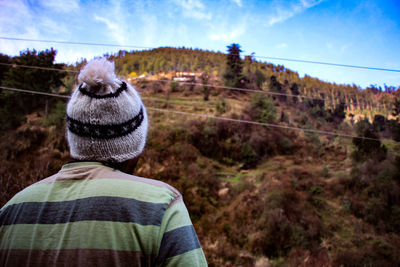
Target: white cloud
113 16
238 2
14 15
282 45
310 3
337 48
20 19
229 36
16 22
150 30
191 4
227 33
53 27
193 9
110 24
344 48
114 28
63 6
286 12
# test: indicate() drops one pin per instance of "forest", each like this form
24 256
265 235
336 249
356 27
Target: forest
275 169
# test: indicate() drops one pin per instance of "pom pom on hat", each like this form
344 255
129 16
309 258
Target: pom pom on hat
99 74
106 119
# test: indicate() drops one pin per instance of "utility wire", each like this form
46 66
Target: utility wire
74 43
242 89
68 97
250 90
214 117
262 124
36 67
174 101
188 83
327 63
33 92
146 47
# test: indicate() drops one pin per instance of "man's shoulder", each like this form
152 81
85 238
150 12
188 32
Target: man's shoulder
147 183
94 182
28 191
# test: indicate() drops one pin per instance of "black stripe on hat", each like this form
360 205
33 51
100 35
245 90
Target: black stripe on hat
107 131
122 88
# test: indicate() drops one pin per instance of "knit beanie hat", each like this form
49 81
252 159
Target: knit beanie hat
106 119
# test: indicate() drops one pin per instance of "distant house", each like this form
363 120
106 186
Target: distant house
186 76
161 76
175 76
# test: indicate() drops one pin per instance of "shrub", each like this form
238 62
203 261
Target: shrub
174 86
315 190
367 147
232 143
286 146
57 115
394 127
379 123
394 222
316 107
262 108
325 172
375 194
375 253
221 106
338 114
249 156
284 117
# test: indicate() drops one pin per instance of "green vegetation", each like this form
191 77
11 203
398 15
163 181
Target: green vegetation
57 114
233 75
262 108
13 105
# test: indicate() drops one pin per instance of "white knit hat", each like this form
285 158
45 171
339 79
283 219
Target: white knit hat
106 119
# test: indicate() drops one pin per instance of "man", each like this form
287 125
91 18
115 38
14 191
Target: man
91 213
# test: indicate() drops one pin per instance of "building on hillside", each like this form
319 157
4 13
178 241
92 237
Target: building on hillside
186 76
161 76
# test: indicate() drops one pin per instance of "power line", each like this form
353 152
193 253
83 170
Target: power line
187 83
242 89
74 43
68 97
261 124
172 101
327 63
199 84
36 67
147 47
33 92
214 117
251 90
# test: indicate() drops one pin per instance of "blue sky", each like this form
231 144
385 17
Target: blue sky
365 33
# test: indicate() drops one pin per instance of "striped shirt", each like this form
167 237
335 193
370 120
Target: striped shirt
92 215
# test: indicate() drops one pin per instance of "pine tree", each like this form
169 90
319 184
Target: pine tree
234 67
295 91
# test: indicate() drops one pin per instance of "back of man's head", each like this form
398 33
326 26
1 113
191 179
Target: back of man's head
106 119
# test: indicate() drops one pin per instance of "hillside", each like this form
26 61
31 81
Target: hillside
258 195
359 101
